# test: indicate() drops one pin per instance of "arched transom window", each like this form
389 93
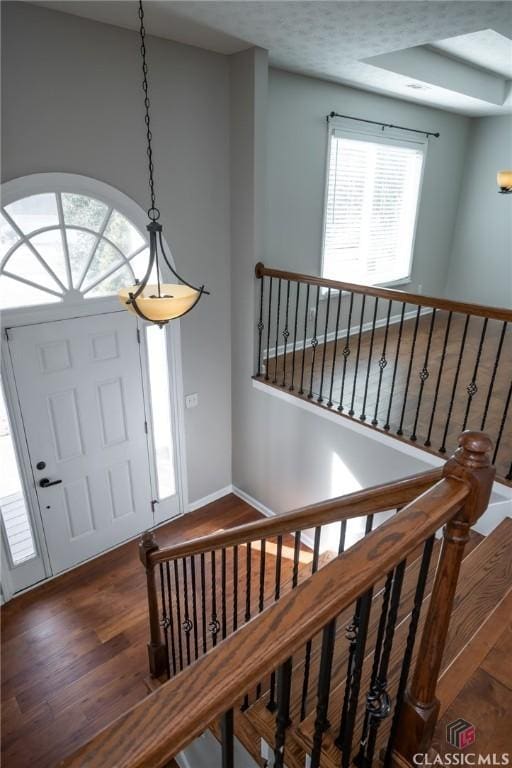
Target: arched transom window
65 246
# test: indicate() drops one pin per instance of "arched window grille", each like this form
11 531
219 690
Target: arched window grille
65 247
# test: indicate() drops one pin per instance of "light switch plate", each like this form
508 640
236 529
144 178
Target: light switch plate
191 401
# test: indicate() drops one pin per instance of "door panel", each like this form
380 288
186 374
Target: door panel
79 385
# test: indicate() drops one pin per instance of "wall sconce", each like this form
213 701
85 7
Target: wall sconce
504 179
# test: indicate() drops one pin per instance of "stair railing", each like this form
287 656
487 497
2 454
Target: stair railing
163 724
416 367
203 589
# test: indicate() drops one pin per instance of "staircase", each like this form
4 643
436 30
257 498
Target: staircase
314 655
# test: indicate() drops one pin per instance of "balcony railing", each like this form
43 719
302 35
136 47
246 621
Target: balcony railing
418 368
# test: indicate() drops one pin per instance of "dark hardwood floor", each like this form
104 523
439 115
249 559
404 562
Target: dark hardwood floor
410 406
74 649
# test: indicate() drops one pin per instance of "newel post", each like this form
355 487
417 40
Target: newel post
156 648
420 708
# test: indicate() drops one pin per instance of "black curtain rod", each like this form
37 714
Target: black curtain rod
384 125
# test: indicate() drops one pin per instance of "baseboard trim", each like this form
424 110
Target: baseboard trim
252 502
215 496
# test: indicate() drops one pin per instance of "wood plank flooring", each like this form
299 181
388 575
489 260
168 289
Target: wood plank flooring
485 700
74 649
431 412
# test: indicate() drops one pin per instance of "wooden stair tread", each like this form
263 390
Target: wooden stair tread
486 577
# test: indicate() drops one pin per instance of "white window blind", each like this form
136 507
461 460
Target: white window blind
372 200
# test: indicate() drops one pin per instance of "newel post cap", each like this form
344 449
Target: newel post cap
147 544
474 450
471 464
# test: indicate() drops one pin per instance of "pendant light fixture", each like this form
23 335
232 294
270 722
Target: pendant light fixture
157 302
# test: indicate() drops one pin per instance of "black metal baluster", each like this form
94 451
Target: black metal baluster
346 351
439 375
214 625
387 425
261 599
314 343
277 593
378 703
326 330
286 332
400 430
409 645
227 739
502 424
194 603
472 387
442 449
296 559
279 553
223 593
424 374
178 613
358 354
274 380
260 326
235 588
323 692
343 534
309 644
291 387
508 476
187 624
382 364
248 564
165 622
171 617
306 311
268 327
335 350
370 352
358 631
284 683
203 601
493 375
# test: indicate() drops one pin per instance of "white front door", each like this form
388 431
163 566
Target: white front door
79 384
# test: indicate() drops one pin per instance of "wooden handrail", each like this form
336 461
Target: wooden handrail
369 501
164 723
479 310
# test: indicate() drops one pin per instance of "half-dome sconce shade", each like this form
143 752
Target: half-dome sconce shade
504 179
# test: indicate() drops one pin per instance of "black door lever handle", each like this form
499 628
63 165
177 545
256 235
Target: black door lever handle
45 483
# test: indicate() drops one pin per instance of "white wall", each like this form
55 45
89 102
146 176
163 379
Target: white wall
72 101
283 456
296 135
481 262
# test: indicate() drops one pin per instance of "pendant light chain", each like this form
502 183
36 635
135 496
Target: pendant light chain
153 212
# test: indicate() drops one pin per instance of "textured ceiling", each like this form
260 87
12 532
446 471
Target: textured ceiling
328 39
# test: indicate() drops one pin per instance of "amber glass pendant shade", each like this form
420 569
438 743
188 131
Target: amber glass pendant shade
175 300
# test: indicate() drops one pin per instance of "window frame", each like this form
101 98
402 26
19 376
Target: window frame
343 128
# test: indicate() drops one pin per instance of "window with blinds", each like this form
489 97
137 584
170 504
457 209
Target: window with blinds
372 200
